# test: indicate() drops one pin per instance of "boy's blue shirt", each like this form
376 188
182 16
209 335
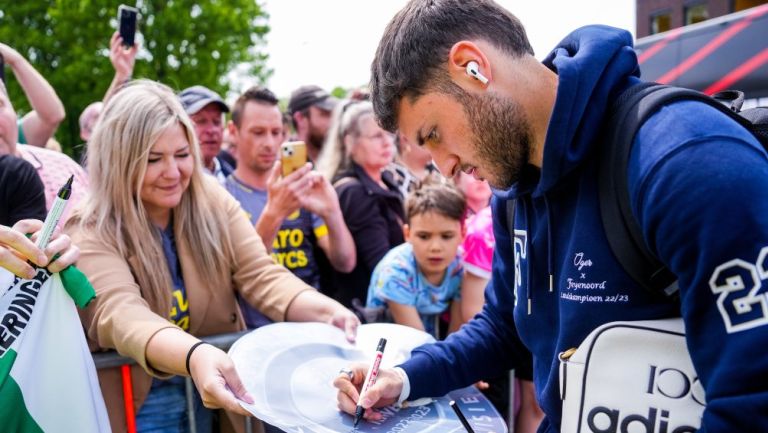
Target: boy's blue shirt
398 278
699 189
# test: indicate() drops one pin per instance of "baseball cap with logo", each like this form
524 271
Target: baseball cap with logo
196 97
308 96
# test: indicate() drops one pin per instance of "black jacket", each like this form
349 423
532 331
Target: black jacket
22 194
375 218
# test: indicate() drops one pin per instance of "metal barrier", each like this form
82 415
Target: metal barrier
222 341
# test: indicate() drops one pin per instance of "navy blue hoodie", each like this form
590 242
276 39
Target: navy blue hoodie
699 189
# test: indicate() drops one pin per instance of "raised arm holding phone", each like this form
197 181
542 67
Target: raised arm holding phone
123 59
123 49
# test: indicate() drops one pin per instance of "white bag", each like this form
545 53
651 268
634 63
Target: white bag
631 377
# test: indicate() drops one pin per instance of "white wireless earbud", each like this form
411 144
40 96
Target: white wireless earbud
474 71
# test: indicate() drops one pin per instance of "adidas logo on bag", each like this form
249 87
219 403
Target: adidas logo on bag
631 377
666 382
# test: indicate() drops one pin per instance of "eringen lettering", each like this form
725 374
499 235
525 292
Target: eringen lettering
17 316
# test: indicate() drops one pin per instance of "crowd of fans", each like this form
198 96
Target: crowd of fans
186 226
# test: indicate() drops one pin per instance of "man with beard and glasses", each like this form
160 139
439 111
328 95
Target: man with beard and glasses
697 184
310 109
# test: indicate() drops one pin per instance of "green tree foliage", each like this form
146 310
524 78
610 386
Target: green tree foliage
183 42
339 92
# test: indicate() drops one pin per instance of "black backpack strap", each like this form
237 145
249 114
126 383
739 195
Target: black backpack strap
511 218
630 110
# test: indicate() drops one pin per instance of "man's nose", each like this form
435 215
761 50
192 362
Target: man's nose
446 164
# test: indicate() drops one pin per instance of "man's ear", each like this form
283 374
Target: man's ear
406 232
299 119
461 54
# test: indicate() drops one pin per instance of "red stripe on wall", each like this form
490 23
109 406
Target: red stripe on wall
735 75
658 46
711 46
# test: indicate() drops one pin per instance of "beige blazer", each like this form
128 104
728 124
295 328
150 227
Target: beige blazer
120 318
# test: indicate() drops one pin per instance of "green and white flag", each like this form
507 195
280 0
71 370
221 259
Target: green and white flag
48 380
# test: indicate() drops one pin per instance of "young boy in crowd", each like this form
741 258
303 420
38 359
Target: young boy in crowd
420 279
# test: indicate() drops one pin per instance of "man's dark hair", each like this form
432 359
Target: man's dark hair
258 94
436 194
412 53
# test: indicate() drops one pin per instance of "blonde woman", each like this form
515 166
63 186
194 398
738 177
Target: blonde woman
166 249
354 159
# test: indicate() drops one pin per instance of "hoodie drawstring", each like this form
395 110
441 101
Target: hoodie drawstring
528 294
550 246
550 252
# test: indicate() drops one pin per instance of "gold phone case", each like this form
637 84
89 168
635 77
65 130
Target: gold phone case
293 155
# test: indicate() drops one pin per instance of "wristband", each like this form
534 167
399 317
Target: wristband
189 354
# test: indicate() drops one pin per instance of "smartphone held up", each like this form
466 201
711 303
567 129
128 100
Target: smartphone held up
127 17
293 155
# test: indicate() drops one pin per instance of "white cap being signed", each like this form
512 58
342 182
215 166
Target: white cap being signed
289 369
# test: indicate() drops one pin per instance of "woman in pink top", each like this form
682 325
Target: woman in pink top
478 244
478 253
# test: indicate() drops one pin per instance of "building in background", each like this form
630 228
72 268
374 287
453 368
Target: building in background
657 16
705 45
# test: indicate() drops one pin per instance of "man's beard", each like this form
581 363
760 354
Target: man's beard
315 138
502 136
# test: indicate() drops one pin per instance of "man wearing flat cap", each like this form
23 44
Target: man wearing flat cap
205 107
310 109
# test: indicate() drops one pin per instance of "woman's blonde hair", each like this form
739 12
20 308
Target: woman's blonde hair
131 123
347 118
